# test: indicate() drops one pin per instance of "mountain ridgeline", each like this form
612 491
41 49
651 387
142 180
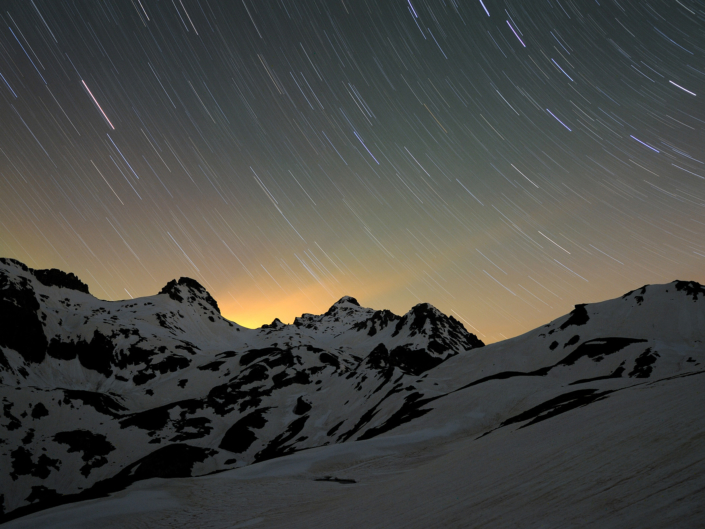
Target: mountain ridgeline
104 393
97 395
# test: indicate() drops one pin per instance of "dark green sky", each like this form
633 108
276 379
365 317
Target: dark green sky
285 153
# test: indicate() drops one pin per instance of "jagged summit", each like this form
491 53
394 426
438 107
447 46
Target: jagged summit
52 277
426 318
10 262
190 289
276 324
343 305
691 288
346 299
425 307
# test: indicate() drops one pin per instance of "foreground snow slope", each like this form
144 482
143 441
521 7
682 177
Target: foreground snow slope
602 404
634 460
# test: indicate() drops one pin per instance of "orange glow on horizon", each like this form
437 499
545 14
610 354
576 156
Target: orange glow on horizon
252 308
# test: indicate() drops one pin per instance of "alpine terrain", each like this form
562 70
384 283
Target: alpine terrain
353 418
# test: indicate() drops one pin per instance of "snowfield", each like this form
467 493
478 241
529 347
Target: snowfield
354 418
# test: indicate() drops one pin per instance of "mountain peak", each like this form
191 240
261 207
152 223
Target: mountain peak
346 299
49 277
56 278
691 288
427 307
10 262
343 305
176 290
276 324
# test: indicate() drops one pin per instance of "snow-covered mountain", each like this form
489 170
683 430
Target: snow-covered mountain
99 395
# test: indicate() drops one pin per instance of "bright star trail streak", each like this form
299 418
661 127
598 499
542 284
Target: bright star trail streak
559 121
483 7
515 34
284 153
679 86
97 104
644 144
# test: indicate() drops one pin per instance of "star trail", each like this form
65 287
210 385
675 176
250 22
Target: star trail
502 160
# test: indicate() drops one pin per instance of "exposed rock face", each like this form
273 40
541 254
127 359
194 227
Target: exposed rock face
21 328
49 277
96 395
57 278
190 291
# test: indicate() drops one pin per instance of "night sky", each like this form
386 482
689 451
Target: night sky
502 160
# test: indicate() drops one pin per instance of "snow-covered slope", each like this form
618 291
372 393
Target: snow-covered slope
98 396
